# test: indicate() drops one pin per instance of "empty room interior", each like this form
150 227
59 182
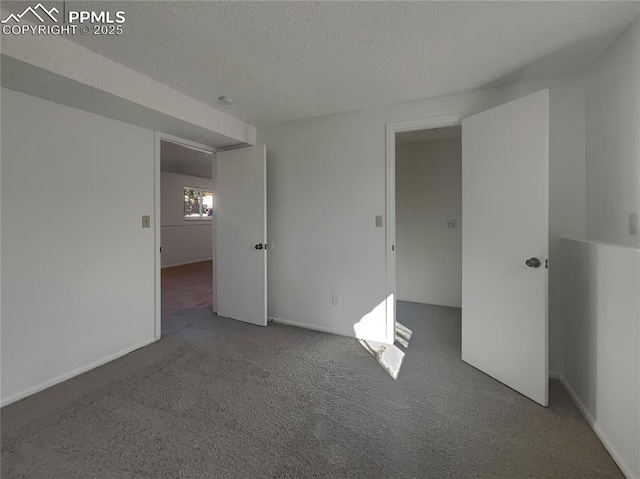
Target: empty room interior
320 239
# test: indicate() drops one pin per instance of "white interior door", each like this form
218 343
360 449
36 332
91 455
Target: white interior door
241 234
505 234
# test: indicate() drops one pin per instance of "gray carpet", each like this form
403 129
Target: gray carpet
221 399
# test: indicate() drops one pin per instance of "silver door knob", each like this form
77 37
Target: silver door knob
533 263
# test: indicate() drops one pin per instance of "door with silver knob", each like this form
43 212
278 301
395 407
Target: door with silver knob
505 234
241 234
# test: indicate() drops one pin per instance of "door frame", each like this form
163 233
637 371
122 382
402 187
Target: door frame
392 128
157 231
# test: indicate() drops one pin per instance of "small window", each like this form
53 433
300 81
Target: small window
198 203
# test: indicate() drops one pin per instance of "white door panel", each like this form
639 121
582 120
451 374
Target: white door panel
241 225
505 162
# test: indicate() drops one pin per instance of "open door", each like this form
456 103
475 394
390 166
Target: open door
505 235
241 234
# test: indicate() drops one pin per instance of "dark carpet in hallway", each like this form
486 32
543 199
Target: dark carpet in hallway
223 399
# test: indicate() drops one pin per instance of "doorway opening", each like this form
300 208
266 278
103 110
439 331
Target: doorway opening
428 216
428 238
187 237
399 134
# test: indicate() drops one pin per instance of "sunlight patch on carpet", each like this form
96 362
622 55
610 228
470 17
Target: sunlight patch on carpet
390 356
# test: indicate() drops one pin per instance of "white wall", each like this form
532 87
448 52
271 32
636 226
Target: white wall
183 241
600 281
602 343
428 194
326 180
77 267
613 140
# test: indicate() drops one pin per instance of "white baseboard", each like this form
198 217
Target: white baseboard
307 326
188 262
76 372
321 329
626 470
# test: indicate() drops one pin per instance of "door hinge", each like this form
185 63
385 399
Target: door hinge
393 247
160 249
546 263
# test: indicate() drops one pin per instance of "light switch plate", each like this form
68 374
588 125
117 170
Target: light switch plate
633 224
146 221
379 221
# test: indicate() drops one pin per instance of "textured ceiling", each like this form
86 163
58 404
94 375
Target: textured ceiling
429 135
176 158
281 61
